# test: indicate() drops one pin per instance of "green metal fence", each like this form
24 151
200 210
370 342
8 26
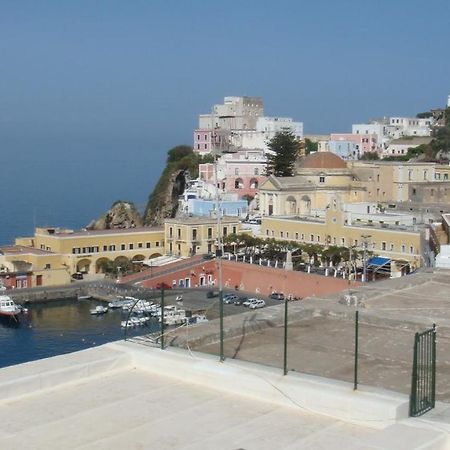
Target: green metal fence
423 385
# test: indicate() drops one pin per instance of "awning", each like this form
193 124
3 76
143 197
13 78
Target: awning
378 261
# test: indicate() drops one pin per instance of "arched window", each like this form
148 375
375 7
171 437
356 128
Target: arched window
238 183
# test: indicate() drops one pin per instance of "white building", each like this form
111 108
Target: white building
379 128
409 126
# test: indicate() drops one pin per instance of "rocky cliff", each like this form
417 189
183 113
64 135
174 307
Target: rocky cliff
122 214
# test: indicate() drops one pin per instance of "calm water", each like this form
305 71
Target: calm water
60 327
68 182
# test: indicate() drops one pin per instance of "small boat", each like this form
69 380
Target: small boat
99 310
84 297
8 308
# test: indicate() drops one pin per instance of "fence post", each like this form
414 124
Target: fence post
433 367
355 372
413 400
162 316
285 371
222 357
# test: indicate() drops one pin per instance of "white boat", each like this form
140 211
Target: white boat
99 310
8 308
84 297
173 315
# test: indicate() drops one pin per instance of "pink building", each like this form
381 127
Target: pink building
241 172
364 142
202 141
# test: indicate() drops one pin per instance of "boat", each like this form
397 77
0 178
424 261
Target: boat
8 308
99 310
84 297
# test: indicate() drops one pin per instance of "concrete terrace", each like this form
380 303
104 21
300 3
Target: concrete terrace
126 396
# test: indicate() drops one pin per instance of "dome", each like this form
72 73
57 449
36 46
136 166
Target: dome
322 160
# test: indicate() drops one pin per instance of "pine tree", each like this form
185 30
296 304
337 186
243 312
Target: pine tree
286 149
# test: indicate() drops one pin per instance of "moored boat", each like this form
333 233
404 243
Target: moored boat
99 310
8 308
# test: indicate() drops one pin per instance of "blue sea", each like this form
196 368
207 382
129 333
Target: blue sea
67 182
59 327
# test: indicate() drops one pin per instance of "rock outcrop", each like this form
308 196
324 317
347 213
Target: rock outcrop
121 215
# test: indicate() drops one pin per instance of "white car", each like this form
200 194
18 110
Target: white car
257 304
250 301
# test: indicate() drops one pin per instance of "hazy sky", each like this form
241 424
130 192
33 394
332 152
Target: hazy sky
144 70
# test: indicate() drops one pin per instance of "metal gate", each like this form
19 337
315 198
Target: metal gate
423 385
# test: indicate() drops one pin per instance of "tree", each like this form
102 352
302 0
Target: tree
370 156
285 148
310 146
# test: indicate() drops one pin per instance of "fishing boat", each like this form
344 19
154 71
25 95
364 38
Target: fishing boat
8 308
99 310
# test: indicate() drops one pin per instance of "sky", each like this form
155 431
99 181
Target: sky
144 70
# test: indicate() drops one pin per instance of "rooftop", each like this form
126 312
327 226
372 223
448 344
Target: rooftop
61 233
22 250
322 160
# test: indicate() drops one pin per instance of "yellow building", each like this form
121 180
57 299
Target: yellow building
58 251
196 235
398 243
321 179
394 181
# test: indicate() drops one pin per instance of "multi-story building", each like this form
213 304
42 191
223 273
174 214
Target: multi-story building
409 126
398 147
393 181
363 143
196 235
401 244
52 255
321 180
241 172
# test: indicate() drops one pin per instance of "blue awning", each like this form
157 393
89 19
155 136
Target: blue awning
378 261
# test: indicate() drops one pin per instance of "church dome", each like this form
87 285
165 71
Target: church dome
322 160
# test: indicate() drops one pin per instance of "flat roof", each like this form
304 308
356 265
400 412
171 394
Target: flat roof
84 233
22 250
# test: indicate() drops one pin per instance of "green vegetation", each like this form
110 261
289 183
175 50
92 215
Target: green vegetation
310 146
286 150
302 252
370 156
179 158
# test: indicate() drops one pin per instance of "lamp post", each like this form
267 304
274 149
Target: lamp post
365 238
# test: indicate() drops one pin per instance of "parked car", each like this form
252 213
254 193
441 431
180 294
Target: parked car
240 301
277 296
211 294
209 256
257 304
230 298
250 301
77 276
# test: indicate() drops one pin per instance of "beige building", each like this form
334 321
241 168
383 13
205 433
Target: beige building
322 179
57 254
396 242
393 181
196 235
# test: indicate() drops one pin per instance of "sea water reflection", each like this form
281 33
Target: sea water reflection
59 327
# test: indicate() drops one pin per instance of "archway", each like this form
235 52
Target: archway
291 206
305 205
253 183
154 255
84 265
136 263
238 183
121 265
104 265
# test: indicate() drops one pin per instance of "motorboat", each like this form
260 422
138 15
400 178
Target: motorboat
99 310
8 308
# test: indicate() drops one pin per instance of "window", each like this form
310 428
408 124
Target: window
194 234
311 238
267 232
112 248
424 174
322 179
206 146
403 248
256 171
342 241
234 230
383 246
445 176
296 236
105 248
47 266
411 249
198 146
157 244
225 231
209 233
170 232
378 177
122 246
281 234
76 250
391 247
140 245
318 238
236 170
147 245
179 233
432 192
303 237
414 191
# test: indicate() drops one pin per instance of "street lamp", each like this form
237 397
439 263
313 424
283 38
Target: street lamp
365 238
